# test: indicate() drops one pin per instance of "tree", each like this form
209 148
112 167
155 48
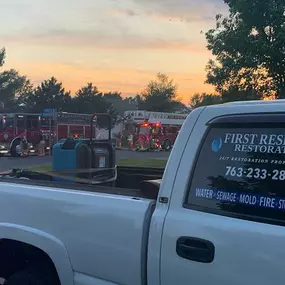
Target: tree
137 102
249 48
12 85
113 96
160 95
25 92
120 104
203 99
89 100
2 56
238 95
50 94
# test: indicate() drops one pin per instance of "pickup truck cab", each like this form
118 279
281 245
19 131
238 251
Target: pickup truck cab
218 217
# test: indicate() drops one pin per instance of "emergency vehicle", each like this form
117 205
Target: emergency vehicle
155 129
14 127
64 125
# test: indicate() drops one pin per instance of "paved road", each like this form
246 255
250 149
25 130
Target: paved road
7 163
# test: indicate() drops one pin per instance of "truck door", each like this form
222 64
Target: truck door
20 124
225 223
33 128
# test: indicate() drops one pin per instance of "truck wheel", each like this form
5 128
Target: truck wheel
15 148
31 276
167 145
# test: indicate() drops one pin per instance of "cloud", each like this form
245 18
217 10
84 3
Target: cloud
172 10
100 40
184 10
40 15
128 24
119 11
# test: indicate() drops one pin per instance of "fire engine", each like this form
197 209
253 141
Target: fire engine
160 129
17 126
66 125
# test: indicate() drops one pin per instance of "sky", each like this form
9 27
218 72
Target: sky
119 45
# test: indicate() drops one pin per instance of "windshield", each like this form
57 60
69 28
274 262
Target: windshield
144 130
46 123
155 130
6 122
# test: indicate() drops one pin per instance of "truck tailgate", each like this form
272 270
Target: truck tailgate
105 235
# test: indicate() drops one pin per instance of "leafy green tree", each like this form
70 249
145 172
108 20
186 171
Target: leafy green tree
113 96
160 95
25 92
137 102
2 56
204 99
12 85
233 94
50 94
249 48
121 104
89 100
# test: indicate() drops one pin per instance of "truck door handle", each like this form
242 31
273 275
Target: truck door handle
195 249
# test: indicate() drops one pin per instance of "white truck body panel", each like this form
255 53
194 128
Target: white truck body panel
82 279
100 243
246 252
158 217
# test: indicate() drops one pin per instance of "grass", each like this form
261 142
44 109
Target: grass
132 162
41 167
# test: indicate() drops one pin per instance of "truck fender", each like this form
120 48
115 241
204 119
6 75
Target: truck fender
49 244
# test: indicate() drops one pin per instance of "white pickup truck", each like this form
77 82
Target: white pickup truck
218 218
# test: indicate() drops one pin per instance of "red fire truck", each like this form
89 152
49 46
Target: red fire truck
66 125
16 126
155 128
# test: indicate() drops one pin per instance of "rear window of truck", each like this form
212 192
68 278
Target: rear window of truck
240 172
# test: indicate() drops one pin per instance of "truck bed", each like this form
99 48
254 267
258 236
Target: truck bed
131 182
94 225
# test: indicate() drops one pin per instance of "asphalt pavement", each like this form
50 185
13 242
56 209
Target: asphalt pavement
7 163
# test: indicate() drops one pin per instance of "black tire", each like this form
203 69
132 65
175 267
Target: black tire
167 145
32 276
13 148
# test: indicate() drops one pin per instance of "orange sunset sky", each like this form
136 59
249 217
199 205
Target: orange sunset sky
119 45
